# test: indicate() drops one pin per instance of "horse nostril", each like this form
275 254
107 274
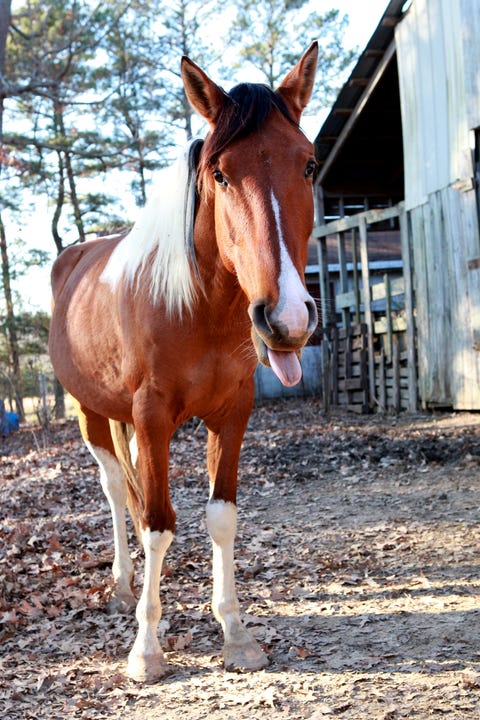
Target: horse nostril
312 315
260 317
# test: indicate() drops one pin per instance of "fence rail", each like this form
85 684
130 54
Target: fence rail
390 335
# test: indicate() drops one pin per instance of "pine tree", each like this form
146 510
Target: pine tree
279 31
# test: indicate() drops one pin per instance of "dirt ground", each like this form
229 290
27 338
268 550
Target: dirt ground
357 565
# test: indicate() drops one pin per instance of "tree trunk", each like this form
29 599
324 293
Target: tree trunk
59 408
12 338
67 164
5 16
74 197
59 205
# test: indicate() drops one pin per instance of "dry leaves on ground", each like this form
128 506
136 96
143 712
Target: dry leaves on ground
357 566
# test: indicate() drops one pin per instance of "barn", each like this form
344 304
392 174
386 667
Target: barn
397 231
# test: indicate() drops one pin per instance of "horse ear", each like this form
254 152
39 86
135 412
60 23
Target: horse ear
296 88
206 98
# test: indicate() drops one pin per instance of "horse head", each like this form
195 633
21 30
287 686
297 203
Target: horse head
257 168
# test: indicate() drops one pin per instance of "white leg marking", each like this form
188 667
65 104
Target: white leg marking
240 651
114 487
222 527
145 661
291 309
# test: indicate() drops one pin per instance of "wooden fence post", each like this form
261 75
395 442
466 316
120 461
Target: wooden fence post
324 305
367 304
409 305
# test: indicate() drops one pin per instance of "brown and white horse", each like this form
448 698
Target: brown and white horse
169 322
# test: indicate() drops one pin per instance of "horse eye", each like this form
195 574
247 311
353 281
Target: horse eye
310 168
219 178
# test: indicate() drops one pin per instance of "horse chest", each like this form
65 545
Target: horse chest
204 372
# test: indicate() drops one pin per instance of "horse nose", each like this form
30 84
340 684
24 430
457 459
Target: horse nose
285 325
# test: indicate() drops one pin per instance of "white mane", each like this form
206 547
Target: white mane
159 247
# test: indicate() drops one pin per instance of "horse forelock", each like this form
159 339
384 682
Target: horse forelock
244 113
159 248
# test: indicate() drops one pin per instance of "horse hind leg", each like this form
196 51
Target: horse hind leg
98 439
112 479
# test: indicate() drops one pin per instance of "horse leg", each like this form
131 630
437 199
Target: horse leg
146 662
240 650
95 431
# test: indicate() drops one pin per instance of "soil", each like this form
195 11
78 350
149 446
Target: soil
357 568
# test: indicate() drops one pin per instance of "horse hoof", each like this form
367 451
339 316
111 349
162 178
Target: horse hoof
122 603
247 657
146 669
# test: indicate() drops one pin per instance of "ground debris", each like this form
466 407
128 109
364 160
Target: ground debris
357 566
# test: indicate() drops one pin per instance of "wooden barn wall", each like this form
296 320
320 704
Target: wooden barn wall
470 12
438 60
445 250
438 56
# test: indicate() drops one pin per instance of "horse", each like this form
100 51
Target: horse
169 321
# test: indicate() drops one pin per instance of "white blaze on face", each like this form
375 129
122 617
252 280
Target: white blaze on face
291 310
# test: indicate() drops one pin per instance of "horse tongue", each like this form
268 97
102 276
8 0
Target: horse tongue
286 366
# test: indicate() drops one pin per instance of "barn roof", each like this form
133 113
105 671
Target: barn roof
359 146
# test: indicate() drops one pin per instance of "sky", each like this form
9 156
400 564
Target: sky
364 16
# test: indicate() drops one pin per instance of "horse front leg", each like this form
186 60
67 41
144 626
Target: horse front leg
240 650
146 662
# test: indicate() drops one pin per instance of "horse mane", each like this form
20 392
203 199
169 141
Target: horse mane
245 111
159 247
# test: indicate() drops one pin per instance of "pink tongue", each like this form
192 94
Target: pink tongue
286 366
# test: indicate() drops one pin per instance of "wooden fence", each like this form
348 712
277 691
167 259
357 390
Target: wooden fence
368 355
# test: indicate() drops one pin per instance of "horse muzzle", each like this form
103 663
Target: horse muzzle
279 335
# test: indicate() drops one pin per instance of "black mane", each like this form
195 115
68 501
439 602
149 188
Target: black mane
246 109
253 104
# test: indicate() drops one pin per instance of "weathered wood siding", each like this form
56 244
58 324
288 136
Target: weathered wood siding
444 240
438 53
438 61
470 11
